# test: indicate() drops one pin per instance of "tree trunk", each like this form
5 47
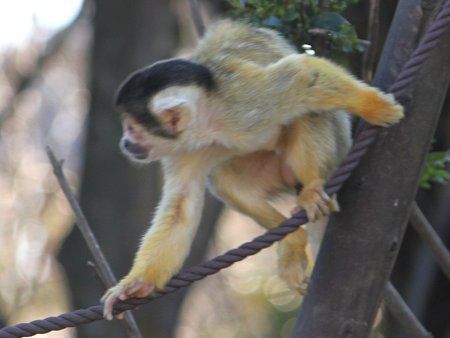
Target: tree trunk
117 197
435 204
416 273
361 243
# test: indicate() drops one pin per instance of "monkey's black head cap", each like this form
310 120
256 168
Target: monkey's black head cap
148 81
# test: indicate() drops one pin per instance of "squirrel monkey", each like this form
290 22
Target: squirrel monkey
248 117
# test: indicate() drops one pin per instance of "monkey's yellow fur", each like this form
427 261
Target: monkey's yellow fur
274 118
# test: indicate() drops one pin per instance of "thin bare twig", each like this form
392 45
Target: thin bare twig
429 235
95 271
322 32
324 5
101 264
373 27
403 314
197 17
53 46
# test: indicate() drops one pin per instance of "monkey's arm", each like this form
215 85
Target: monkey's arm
166 244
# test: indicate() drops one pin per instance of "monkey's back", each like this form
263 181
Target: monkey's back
240 40
245 108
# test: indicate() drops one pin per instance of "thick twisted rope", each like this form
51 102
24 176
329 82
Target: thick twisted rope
366 137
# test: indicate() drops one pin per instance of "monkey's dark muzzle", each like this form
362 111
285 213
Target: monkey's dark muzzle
134 149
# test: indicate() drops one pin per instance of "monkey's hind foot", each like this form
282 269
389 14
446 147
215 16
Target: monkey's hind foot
123 291
380 109
293 261
316 201
295 279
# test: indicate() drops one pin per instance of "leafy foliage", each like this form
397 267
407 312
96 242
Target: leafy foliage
304 23
435 171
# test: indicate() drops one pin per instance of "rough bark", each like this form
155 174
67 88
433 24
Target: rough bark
117 197
417 274
435 205
361 243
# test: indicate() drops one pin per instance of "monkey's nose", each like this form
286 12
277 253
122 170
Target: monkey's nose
134 148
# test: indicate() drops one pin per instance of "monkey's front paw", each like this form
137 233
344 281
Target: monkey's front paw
316 202
122 291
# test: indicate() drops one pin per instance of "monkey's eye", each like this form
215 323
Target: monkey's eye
132 127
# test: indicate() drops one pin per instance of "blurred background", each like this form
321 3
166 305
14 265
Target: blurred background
60 64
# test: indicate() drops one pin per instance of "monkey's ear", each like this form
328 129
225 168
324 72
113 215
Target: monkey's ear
174 113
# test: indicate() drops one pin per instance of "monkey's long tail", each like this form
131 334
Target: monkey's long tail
366 137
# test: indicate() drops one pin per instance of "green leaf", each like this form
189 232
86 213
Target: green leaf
330 21
443 173
438 156
272 22
291 14
295 19
435 169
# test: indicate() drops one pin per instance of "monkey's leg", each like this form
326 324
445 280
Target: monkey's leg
340 90
245 184
311 150
320 85
312 146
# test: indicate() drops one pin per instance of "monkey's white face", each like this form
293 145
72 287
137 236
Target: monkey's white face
178 123
141 146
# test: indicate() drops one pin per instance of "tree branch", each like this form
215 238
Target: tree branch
197 17
53 46
403 314
372 35
324 5
429 235
101 265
